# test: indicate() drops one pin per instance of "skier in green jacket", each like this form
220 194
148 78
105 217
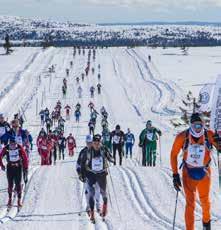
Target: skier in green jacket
148 141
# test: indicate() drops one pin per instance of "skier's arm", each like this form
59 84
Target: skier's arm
177 146
133 139
158 131
141 138
1 158
24 157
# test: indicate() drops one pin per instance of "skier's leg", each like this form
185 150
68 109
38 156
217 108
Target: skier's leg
189 186
97 196
127 149
55 154
114 153
144 156
63 153
130 149
91 181
102 181
17 179
148 154
120 152
60 152
10 181
203 188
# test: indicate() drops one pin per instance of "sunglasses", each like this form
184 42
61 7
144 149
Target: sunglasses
197 126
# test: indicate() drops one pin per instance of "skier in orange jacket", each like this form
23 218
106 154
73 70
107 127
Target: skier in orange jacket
196 144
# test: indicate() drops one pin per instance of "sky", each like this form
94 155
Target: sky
111 11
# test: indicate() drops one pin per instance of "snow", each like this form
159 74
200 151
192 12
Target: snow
133 91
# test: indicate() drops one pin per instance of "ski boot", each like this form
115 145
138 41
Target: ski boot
104 210
207 226
9 204
19 203
92 216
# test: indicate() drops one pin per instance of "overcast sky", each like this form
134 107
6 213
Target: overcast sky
100 11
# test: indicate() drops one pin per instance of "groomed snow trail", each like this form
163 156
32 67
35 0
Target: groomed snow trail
133 91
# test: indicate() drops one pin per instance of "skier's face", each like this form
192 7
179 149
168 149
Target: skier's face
96 145
197 126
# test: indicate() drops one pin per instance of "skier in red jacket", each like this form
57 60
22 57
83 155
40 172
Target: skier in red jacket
17 161
71 144
44 147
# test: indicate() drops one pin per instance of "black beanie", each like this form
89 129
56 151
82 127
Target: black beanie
195 117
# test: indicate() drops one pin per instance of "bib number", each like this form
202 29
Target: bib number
150 136
116 139
18 140
97 164
2 131
14 155
196 154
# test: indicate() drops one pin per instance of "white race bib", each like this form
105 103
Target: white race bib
44 147
14 155
196 154
97 164
2 131
18 140
116 139
70 141
150 136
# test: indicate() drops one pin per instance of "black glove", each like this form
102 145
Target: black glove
82 178
25 175
177 182
140 145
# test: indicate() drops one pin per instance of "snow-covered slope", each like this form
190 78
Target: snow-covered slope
133 91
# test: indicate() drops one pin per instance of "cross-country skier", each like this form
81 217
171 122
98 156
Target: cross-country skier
64 91
77 80
61 145
83 152
94 166
78 106
129 142
99 77
71 144
49 124
117 138
44 147
82 76
196 144
79 90
61 122
148 141
67 112
77 115
99 88
47 113
91 106
67 72
106 138
91 126
92 89
42 116
55 145
17 161
4 129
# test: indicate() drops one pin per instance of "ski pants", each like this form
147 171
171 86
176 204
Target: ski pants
61 151
14 176
129 147
101 180
91 131
151 153
117 147
55 153
71 149
191 187
45 154
97 195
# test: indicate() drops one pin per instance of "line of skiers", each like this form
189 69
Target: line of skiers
16 144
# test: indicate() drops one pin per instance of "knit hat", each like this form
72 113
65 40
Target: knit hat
196 117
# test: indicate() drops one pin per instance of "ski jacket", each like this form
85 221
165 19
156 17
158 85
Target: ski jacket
149 135
14 157
71 141
117 137
196 154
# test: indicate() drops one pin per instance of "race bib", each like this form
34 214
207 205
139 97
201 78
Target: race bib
71 141
116 139
44 147
2 131
18 140
196 154
97 164
14 155
150 136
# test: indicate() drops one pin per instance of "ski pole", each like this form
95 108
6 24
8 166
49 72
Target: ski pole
115 194
174 217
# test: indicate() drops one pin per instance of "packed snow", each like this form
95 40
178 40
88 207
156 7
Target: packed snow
133 91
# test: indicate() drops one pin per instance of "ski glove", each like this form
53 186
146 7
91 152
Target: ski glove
25 175
82 178
177 182
3 168
140 145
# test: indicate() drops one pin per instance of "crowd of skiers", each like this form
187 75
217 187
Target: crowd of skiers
49 142
16 145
